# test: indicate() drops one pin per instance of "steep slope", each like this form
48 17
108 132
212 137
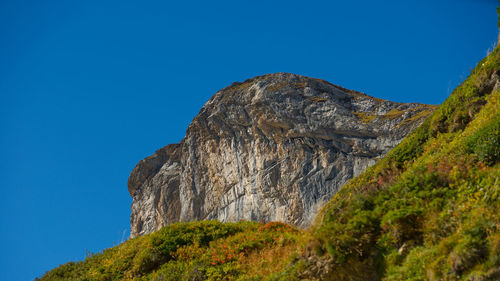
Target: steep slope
273 148
429 210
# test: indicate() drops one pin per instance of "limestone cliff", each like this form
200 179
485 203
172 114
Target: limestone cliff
273 148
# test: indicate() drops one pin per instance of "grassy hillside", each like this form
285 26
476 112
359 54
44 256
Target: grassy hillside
191 251
430 210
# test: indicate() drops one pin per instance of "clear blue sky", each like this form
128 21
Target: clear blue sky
87 89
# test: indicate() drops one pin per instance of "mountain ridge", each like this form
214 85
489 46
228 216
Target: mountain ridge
265 129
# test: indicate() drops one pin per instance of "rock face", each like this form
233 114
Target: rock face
273 148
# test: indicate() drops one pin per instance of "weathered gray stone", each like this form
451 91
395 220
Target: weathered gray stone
273 148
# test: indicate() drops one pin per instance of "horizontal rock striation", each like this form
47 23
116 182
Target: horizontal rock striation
273 148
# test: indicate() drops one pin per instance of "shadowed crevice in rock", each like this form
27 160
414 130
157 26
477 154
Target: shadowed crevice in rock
273 148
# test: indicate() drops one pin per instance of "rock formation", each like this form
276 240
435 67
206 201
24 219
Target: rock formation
273 148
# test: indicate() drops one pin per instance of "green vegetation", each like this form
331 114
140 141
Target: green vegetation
365 117
428 211
206 250
420 112
425 111
393 113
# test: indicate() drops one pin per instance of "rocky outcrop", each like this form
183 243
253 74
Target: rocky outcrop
273 148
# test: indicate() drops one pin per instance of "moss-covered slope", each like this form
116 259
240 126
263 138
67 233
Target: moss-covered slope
430 210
